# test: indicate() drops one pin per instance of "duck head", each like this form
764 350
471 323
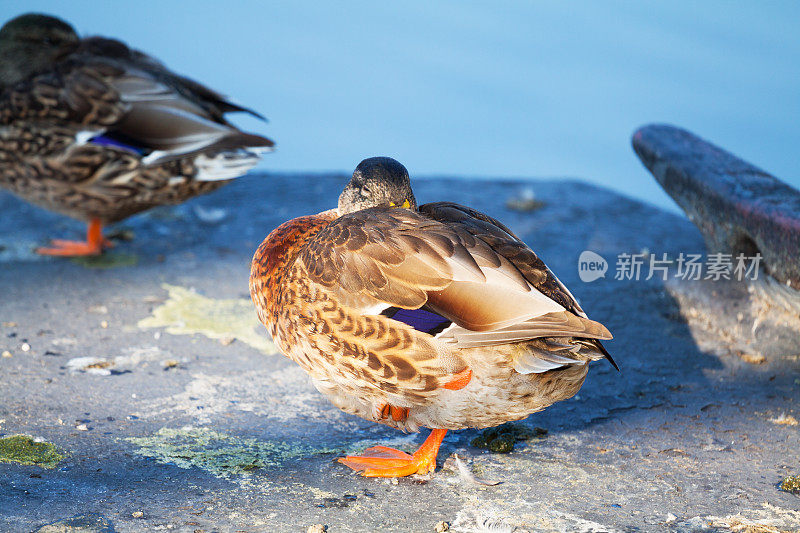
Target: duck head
32 43
377 182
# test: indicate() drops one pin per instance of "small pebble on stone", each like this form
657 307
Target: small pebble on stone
524 201
137 514
441 527
317 528
25 347
6 353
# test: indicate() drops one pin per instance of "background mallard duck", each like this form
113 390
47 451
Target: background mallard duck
98 131
435 316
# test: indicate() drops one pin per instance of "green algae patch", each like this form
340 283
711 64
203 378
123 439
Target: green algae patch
791 484
24 450
185 313
221 455
107 260
501 439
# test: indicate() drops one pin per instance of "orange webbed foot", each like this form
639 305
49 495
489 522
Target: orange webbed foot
70 248
382 461
93 245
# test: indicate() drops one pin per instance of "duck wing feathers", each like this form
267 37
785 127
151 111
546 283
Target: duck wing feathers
118 96
454 262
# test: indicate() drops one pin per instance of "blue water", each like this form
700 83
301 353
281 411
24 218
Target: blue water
507 89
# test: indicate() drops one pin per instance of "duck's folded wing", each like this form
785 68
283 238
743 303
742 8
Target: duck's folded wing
566 336
504 242
164 124
471 271
114 96
394 290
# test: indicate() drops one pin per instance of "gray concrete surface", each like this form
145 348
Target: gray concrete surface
174 412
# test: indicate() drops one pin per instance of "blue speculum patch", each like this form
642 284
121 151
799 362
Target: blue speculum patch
110 139
419 319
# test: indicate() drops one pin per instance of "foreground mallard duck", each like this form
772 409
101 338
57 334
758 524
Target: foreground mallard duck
98 131
435 316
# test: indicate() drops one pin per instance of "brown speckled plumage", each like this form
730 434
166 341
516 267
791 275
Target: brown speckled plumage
96 130
321 283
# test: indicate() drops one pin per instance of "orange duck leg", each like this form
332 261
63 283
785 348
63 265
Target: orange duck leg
93 245
381 461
